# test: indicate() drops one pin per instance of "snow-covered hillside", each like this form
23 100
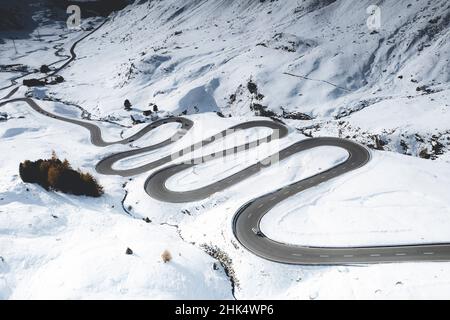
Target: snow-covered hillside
315 65
199 56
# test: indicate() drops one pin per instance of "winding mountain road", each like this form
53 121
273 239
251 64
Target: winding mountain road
246 222
96 133
73 54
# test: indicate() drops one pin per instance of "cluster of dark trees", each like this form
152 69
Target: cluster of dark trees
54 174
127 105
40 83
154 108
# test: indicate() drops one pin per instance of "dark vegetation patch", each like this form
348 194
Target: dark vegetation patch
252 87
127 105
57 175
43 82
44 69
34 83
16 15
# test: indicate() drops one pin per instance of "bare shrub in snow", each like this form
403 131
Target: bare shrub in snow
166 256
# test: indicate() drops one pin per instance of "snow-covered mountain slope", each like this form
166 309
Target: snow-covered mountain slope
315 65
316 58
65 247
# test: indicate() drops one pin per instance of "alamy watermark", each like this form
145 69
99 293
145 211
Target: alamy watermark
74 20
230 145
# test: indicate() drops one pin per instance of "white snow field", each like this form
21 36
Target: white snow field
66 247
314 65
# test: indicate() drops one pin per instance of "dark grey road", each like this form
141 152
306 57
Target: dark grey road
246 223
96 133
10 94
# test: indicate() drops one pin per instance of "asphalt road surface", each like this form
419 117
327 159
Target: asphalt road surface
10 94
246 223
96 133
